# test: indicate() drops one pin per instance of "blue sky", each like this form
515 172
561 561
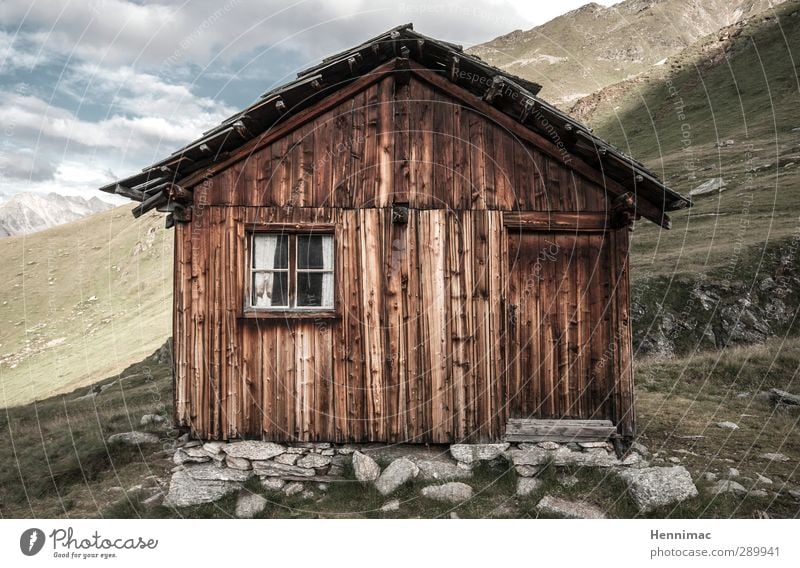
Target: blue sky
93 90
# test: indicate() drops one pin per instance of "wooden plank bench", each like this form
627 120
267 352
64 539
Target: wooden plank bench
567 430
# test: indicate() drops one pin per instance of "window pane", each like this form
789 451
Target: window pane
270 289
309 289
315 251
270 251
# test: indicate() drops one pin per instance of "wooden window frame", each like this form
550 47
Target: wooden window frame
291 312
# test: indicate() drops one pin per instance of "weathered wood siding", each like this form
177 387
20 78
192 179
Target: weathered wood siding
419 350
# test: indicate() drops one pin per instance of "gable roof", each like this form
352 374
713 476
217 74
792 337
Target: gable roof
512 95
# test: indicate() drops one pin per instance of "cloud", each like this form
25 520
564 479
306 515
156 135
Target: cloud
162 34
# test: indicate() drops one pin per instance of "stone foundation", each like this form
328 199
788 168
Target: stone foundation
205 472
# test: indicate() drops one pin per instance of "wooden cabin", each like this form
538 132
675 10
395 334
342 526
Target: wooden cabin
404 244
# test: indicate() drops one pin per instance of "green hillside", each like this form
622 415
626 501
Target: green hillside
738 85
81 302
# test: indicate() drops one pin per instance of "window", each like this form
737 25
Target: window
291 271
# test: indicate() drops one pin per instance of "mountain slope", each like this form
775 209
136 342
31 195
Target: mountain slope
726 108
82 301
25 212
586 49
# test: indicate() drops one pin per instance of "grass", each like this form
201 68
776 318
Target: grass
56 463
81 302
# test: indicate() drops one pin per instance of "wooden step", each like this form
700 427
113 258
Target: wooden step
567 430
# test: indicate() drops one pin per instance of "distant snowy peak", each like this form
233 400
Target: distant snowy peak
25 212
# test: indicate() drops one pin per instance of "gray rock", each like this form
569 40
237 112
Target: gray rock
185 491
153 500
134 438
238 463
760 493
248 505
727 486
443 469
192 444
795 493
452 492
547 445
346 450
640 449
589 445
365 468
764 480
254 450
214 448
389 506
190 455
286 459
674 459
528 485
314 461
294 450
153 419
562 457
654 487
272 483
396 474
710 476
708 187
733 472
527 470
210 472
293 488
727 425
569 509
472 453
330 452
774 457
269 468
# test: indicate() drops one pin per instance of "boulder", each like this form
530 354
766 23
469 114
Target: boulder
396 474
269 468
185 491
528 485
248 505
472 453
314 461
134 438
570 509
214 448
452 492
654 487
254 450
365 468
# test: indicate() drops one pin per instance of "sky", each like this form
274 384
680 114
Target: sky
95 90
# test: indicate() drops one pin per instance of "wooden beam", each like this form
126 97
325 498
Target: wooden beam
613 187
532 430
557 221
129 193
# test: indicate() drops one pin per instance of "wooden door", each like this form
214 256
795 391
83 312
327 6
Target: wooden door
560 348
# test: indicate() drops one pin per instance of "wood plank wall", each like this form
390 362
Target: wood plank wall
418 351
